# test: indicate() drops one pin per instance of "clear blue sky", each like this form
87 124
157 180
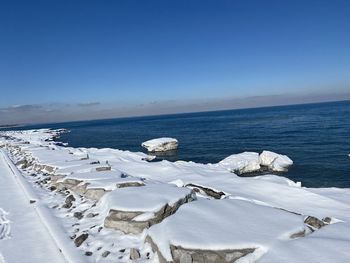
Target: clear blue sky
144 51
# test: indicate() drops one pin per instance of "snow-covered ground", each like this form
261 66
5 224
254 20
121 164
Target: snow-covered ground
116 206
24 236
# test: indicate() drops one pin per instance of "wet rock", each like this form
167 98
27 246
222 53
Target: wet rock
134 254
80 239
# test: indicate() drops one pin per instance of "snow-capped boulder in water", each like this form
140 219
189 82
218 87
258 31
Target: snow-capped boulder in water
275 162
240 163
161 144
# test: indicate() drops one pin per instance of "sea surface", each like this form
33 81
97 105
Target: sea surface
315 136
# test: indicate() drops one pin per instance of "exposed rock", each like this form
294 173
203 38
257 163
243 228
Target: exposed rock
134 254
181 255
314 222
69 201
23 163
95 193
88 253
221 256
327 220
80 239
44 168
90 215
298 234
55 178
130 184
85 158
78 215
106 253
71 183
103 168
207 191
124 220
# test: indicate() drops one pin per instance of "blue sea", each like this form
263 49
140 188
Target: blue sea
315 136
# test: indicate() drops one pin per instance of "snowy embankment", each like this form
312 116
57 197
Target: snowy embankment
116 206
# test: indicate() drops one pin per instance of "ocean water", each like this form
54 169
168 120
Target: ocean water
315 136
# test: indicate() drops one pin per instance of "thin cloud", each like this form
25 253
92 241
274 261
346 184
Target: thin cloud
89 104
60 112
21 108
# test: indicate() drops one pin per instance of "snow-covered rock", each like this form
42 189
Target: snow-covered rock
131 211
161 144
275 162
229 229
248 162
240 163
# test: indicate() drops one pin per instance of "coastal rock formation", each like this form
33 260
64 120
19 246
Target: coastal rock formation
244 228
240 163
275 162
248 162
95 184
264 218
161 144
132 211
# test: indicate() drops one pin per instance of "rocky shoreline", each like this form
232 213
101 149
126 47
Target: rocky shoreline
117 206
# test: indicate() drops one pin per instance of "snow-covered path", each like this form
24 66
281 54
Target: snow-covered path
23 236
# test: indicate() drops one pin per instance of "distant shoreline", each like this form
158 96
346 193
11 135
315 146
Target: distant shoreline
176 114
9 126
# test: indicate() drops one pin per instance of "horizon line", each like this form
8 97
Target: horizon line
171 114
